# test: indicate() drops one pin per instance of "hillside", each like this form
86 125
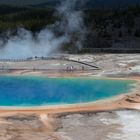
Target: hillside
111 3
22 2
89 4
107 28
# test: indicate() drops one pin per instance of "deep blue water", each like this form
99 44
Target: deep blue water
35 91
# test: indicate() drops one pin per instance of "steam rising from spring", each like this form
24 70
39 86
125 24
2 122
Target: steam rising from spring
70 25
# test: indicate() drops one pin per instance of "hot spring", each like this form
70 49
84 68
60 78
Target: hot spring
38 91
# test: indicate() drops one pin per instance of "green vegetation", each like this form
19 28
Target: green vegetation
113 28
30 18
107 28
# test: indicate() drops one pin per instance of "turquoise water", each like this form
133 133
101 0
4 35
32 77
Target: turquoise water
37 91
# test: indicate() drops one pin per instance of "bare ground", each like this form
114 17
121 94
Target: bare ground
112 125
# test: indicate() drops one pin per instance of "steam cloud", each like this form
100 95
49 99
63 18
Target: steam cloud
47 41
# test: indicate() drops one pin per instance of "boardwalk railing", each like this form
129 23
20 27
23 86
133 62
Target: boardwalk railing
84 63
3 67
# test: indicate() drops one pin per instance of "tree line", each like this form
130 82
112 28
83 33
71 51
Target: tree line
107 27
